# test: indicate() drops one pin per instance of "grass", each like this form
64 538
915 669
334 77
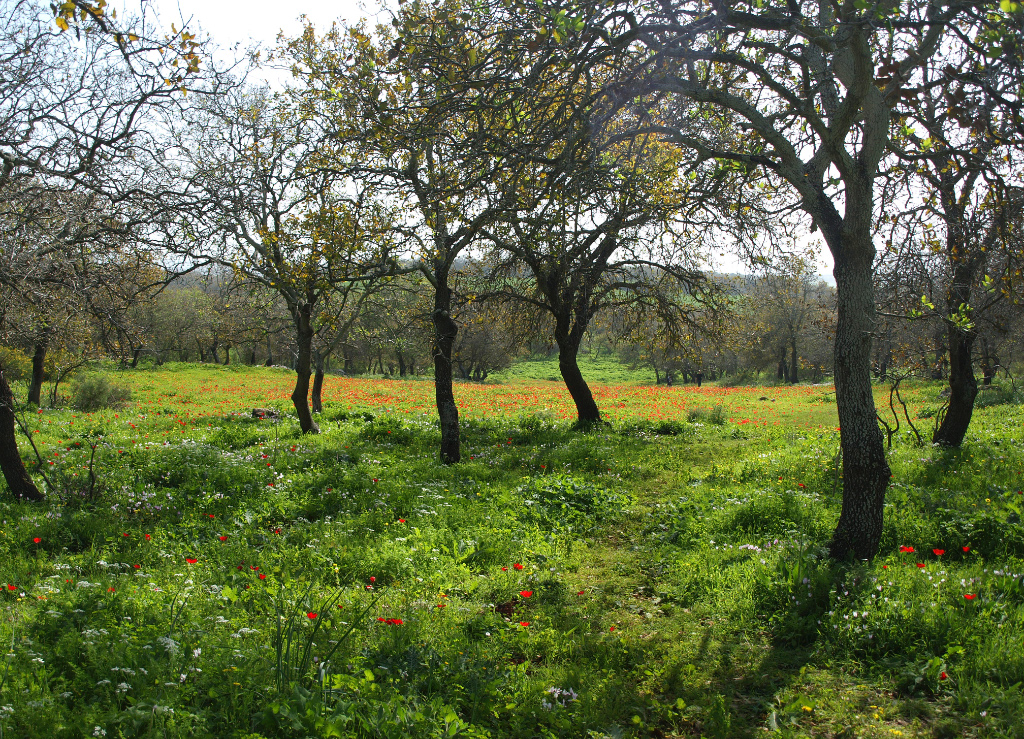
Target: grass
659 577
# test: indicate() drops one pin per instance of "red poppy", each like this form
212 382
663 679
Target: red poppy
11 587
239 566
148 537
311 615
137 566
885 567
380 618
524 623
581 592
210 515
36 540
125 535
920 564
611 628
223 538
277 531
262 576
110 590
938 552
943 675
526 593
373 579
906 549
504 569
190 560
970 596
516 566
966 549
401 520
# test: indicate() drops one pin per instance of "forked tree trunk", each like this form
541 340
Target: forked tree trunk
17 477
963 387
318 382
303 368
35 385
445 331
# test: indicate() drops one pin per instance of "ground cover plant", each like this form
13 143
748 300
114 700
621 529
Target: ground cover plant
196 571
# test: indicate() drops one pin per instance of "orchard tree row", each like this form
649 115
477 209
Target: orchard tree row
553 162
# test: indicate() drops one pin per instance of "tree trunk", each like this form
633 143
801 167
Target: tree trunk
318 382
963 387
445 331
227 355
793 361
17 477
135 358
270 353
303 367
568 350
865 469
35 386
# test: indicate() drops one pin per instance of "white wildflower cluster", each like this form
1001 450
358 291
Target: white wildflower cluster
559 697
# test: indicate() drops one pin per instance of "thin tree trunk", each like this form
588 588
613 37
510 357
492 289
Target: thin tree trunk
568 349
445 331
793 361
227 355
303 367
35 386
135 358
17 477
318 382
963 387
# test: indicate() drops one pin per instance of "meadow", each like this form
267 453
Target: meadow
197 572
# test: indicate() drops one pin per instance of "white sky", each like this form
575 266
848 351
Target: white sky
258 22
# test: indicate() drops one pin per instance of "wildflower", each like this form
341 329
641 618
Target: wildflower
277 531
970 596
524 623
504 569
920 564
264 577
11 587
223 538
148 537
401 520
190 560
943 675
938 552
36 540
966 549
581 592
137 567
611 628
125 535
907 550
525 593
311 615
373 579
517 566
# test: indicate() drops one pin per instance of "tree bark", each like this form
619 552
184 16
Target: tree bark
865 468
318 382
303 367
17 477
568 351
793 363
35 385
963 386
445 331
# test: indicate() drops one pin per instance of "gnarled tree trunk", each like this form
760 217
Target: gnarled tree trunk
963 387
15 474
445 331
318 382
568 365
303 367
35 385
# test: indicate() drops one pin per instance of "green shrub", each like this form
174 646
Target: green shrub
96 391
715 416
16 364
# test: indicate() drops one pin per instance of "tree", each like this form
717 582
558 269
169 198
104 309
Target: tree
814 86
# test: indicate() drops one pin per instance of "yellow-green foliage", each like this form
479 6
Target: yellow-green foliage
16 364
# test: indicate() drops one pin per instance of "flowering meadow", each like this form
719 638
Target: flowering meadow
197 572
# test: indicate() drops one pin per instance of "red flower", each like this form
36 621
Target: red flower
970 596
920 564
223 538
137 566
938 552
504 569
262 576
885 567
36 540
125 535
11 587
516 566
611 628
277 531
110 590
906 549
239 566
147 537
210 515
373 579
943 675
401 520
380 618
581 592
526 593
311 615
966 549
190 560
524 623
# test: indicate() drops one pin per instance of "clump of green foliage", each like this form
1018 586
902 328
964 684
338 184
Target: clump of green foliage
96 392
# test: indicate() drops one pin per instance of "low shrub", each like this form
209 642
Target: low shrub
95 392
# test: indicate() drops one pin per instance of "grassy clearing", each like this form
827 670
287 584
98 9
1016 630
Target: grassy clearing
659 577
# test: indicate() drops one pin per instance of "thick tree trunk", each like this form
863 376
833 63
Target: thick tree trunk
135 358
445 331
227 355
318 382
303 368
35 385
18 480
865 469
568 351
963 387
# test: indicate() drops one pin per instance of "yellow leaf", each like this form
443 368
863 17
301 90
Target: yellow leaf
62 24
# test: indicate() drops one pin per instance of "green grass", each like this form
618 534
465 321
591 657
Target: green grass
600 369
672 579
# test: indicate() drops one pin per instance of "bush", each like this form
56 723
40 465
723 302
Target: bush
96 391
715 416
16 364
